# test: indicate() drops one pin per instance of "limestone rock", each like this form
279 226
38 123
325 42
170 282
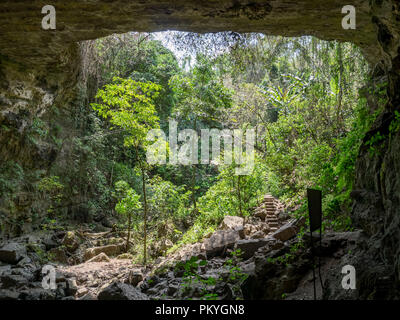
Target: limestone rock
285 233
232 223
121 291
110 250
135 277
289 230
101 257
250 246
12 253
13 281
72 287
220 241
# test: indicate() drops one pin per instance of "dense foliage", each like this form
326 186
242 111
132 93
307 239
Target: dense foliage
307 100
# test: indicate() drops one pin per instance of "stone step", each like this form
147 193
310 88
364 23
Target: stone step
270 203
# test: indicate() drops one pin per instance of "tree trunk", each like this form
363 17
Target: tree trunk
239 197
144 215
194 171
129 231
340 84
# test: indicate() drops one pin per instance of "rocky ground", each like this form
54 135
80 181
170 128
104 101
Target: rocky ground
261 257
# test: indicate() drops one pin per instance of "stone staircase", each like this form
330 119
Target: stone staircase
268 211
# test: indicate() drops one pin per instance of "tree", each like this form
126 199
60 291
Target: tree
129 105
128 205
201 97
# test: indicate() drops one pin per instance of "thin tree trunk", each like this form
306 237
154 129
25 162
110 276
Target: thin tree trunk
194 171
194 186
144 215
129 231
239 197
340 84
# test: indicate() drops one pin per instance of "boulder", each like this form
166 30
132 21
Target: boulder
135 277
250 246
12 253
232 223
285 233
72 287
289 230
101 257
50 242
12 281
220 241
121 291
110 250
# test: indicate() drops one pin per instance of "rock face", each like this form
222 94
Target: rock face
78 21
276 274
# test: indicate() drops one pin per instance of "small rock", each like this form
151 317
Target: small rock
81 292
135 277
72 287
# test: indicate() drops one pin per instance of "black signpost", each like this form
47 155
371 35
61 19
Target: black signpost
315 213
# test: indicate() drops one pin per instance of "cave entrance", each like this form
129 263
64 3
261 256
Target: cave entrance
306 101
